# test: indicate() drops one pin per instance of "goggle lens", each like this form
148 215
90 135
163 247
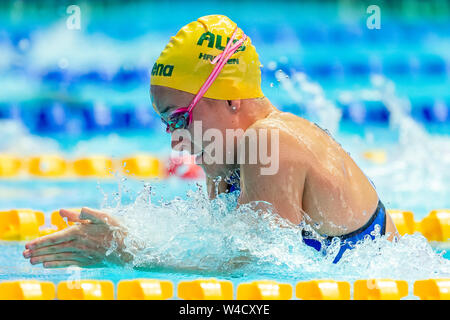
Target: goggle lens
177 120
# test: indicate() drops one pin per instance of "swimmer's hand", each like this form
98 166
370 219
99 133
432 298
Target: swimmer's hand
83 244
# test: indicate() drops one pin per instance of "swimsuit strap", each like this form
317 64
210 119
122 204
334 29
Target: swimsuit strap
348 241
234 182
379 210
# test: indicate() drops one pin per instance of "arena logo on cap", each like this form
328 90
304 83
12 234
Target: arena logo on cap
160 69
216 41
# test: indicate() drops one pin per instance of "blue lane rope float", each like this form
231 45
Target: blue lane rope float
58 117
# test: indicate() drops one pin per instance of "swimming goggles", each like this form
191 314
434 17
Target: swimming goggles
181 118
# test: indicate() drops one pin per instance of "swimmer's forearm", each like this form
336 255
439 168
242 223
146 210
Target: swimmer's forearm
231 264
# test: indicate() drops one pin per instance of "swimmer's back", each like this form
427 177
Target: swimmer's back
337 197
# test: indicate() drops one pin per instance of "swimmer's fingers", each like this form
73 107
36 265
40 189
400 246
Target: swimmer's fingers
97 217
86 242
71 215
70 246
65 235
64 256
83 254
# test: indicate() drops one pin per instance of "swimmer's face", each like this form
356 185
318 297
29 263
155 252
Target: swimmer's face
210 113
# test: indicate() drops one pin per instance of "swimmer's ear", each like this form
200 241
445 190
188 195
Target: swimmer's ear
234 105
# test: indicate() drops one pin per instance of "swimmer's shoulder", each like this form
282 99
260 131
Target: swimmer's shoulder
284 121
290 129
273 126
285 130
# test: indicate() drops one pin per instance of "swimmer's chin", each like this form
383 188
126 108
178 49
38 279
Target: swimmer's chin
210 167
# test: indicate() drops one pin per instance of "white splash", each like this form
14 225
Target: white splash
311 96
416 169
199 235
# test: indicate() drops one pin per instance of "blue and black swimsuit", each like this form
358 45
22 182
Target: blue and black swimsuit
348 241
234 182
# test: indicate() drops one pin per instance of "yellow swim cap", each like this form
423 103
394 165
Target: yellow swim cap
185 63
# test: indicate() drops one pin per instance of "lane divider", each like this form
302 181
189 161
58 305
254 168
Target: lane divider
205 289
56 167
58 221
323 290
86 290
376 156
27 224
380 289
27 290
144 289
432 289
404 221
214 289
264 290
98 166
44 116
435 226
21 224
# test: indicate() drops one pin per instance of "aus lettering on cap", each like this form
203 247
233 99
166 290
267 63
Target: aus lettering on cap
216 41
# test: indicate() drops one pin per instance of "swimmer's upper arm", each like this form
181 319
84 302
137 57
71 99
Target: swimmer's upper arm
282 188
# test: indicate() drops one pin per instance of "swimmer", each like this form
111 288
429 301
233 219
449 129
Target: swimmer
210 73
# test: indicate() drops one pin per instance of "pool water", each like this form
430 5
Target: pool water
372 90
187 237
